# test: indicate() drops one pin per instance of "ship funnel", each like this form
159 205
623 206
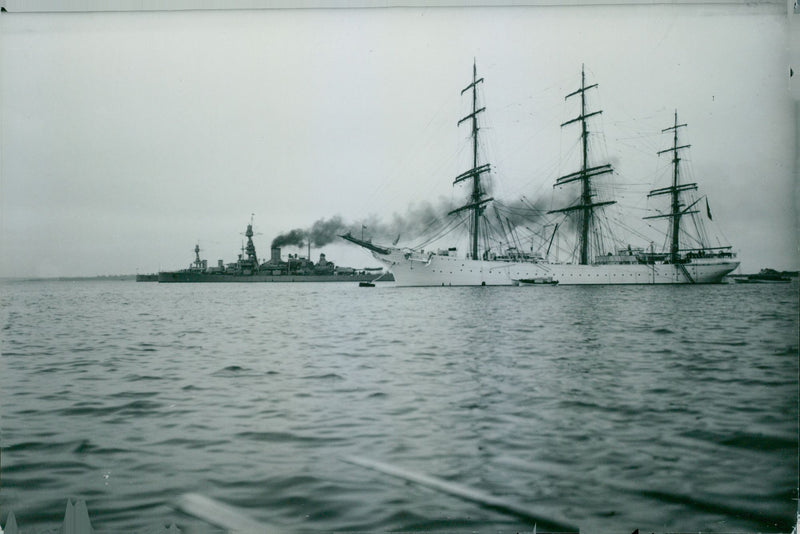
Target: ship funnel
275 255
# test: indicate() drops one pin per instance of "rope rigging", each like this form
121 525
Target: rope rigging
594 228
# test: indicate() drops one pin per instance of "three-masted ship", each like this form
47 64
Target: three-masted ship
685 261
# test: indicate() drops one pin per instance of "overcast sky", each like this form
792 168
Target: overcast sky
127 138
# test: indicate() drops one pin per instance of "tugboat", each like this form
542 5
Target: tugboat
540 281
765 276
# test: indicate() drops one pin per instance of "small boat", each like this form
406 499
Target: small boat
538 281
366 284
765 276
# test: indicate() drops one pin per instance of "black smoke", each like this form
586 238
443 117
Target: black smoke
416 221
294 237
321 233
324 231
521 212
419 220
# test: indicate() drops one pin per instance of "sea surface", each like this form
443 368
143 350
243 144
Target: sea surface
613 408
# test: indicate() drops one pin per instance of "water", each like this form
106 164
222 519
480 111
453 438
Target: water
658 408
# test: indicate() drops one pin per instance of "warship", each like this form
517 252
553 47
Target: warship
597 257
248 268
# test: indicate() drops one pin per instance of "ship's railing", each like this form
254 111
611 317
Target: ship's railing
709 254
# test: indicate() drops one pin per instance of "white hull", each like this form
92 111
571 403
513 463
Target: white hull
415 269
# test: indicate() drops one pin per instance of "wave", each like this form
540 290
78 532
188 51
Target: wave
328 376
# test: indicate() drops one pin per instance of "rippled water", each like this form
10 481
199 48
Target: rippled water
659 408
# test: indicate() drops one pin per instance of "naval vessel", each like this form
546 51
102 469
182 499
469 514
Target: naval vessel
248 268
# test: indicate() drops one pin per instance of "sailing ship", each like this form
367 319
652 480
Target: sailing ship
684 260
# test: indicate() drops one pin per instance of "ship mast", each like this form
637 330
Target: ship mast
674 191
251 248
585 207
197 262
477 201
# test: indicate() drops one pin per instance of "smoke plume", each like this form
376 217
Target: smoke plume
324 231
419 220
321 233
294 237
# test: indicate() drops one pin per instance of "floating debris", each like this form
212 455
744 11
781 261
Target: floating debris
559 524
219 514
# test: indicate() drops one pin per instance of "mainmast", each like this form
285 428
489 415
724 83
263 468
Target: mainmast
674 191
585 207
477 200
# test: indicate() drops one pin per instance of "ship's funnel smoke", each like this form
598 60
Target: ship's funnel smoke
522 212
321 233
295 237
419 220
324 231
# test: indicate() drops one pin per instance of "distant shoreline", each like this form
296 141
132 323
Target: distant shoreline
109 277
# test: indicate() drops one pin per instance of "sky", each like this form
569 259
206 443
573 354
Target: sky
129 137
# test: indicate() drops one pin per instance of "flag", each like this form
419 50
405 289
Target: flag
708 211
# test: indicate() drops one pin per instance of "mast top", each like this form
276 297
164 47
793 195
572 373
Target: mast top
583 88
676 126
475 81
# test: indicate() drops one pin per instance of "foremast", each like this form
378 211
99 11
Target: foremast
250 250
676 207
198 263
585 206
477 200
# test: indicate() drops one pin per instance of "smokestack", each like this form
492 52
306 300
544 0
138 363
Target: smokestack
276 255
309 250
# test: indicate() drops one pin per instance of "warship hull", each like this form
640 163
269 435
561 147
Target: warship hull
195 277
